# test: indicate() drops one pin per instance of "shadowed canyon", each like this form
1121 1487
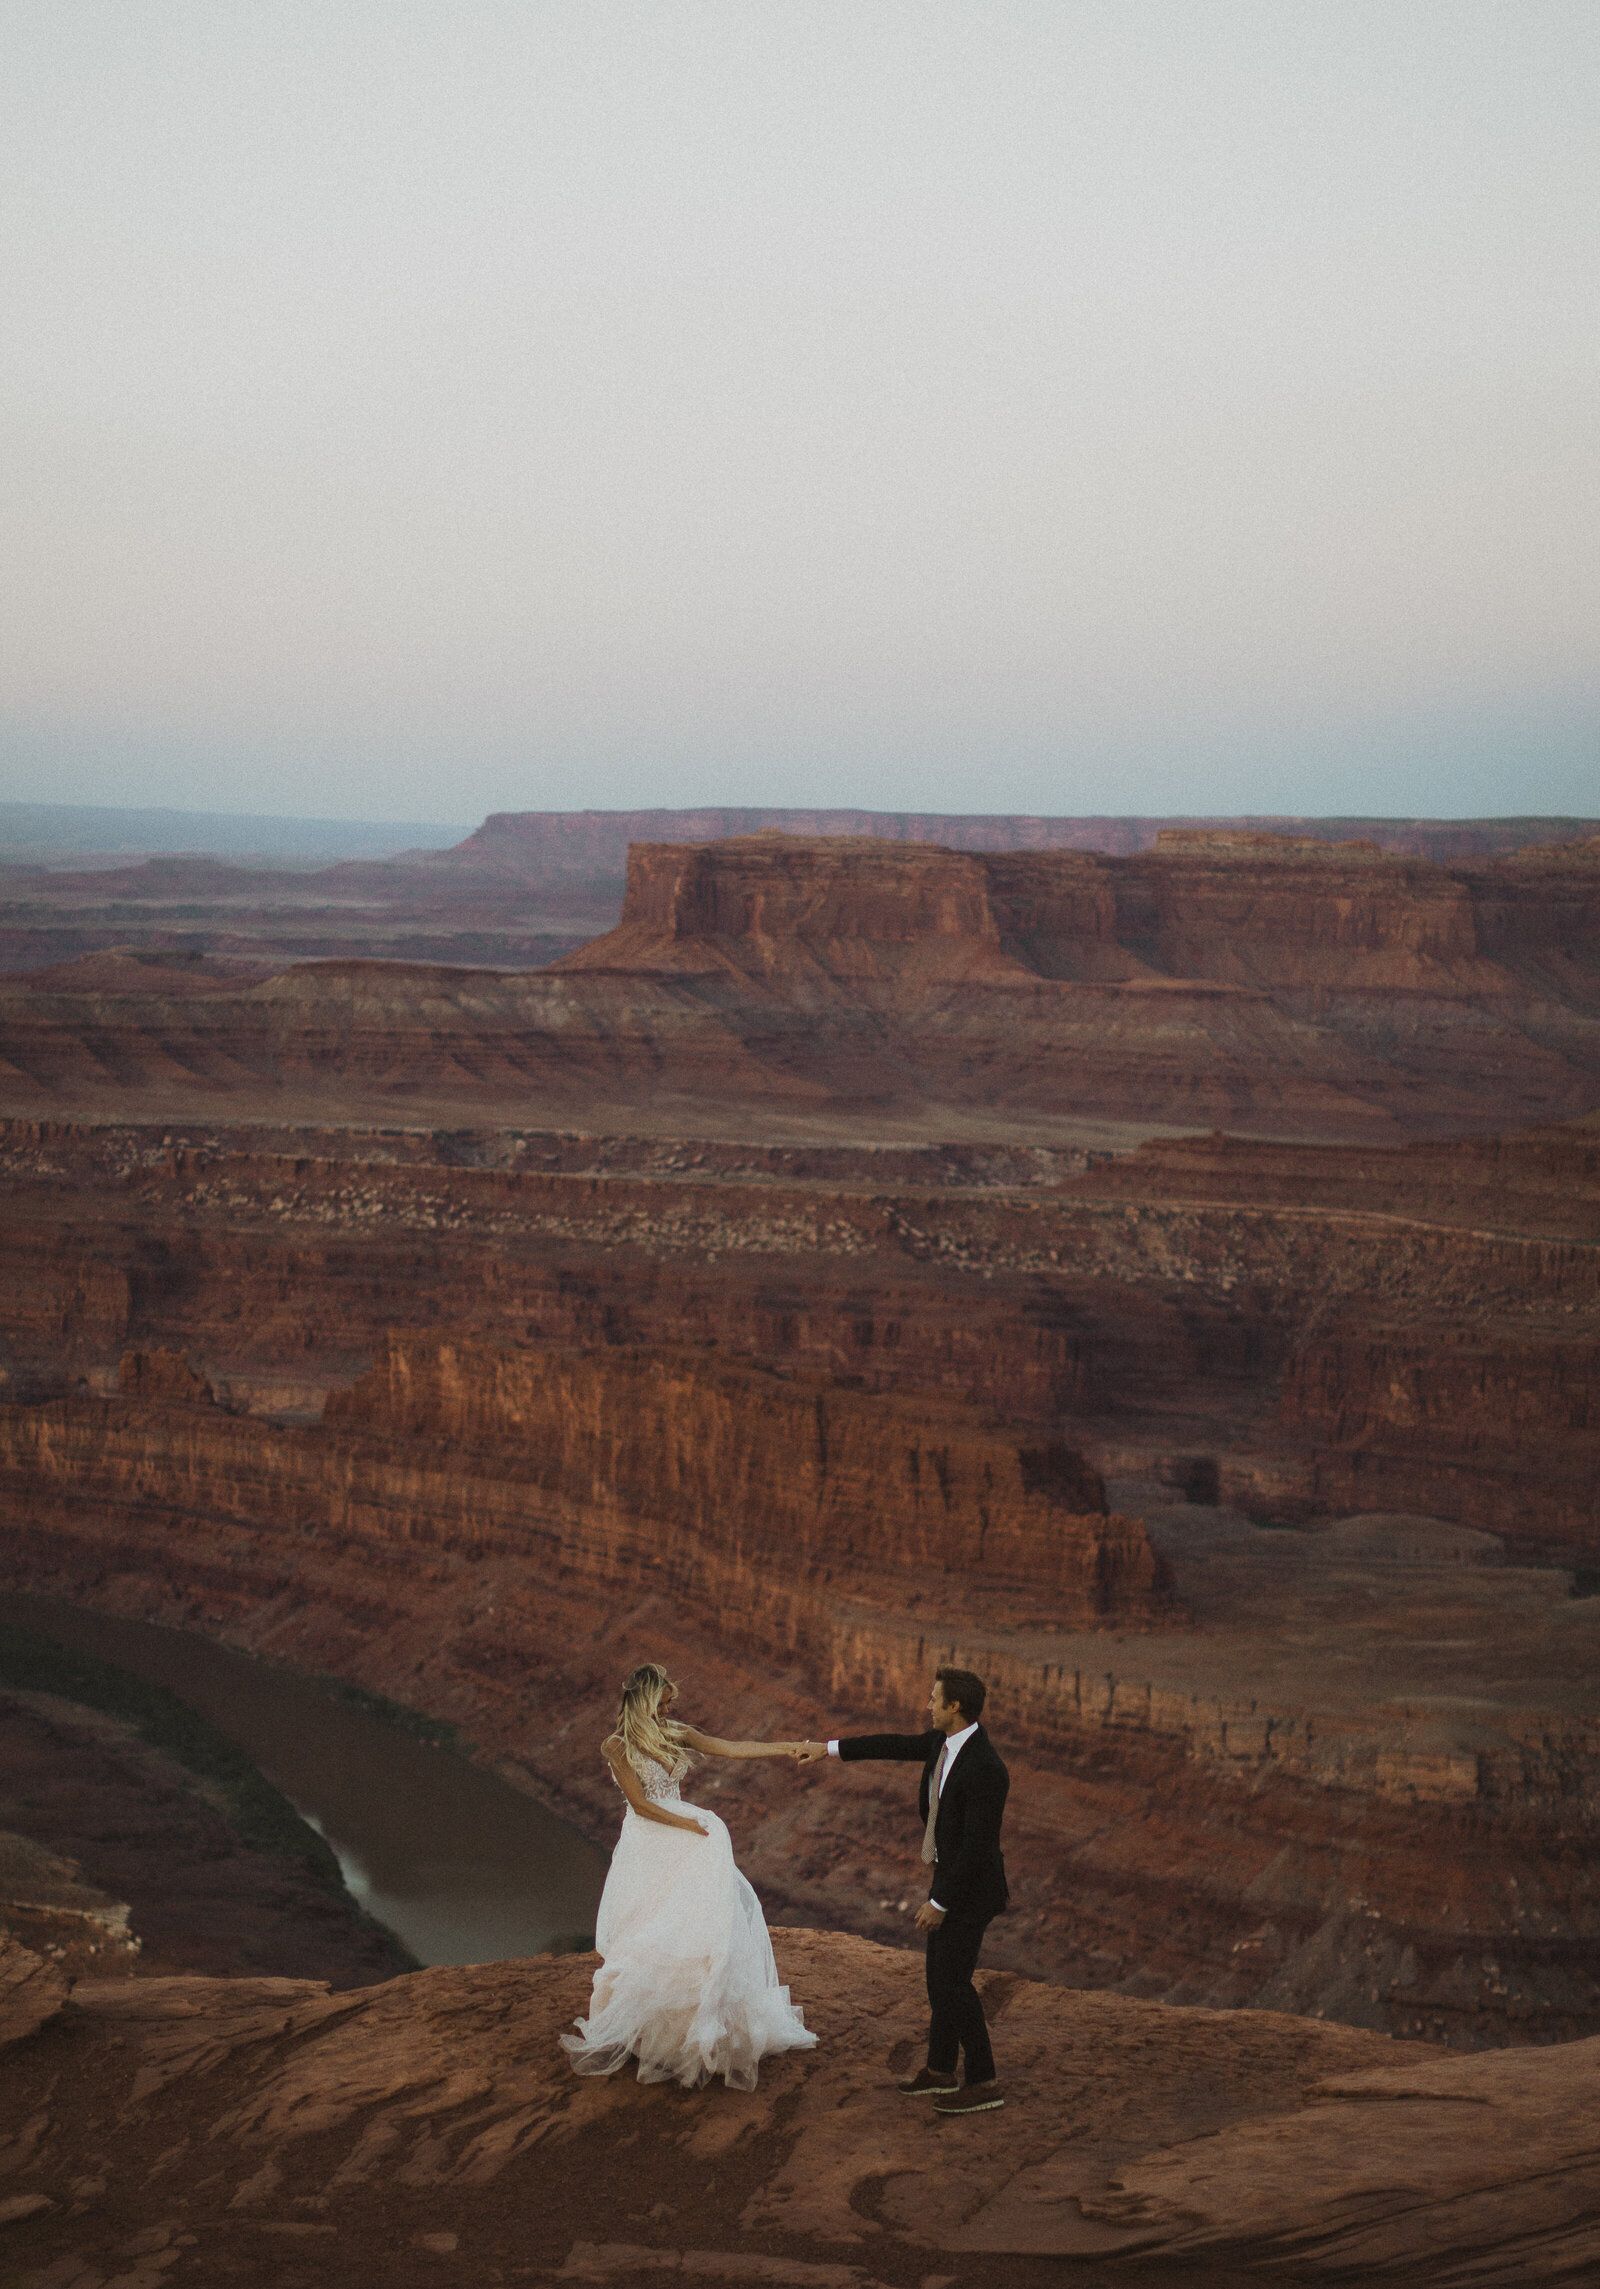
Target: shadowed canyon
1165 1279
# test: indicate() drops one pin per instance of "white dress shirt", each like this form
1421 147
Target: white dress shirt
954 1744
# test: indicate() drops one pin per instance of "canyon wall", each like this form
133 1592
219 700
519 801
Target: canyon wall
1250 910
1376 1398
766 1474
729 1488
1197 1306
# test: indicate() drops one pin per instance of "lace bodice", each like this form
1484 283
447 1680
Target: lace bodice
658 1783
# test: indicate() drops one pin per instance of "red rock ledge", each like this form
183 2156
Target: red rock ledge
269 2131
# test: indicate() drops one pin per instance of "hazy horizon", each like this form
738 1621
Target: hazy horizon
1182 406
11 806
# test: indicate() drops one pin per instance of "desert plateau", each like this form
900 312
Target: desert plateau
1164 1279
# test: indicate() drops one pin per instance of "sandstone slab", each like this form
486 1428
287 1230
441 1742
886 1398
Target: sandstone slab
436 2118
1481 2170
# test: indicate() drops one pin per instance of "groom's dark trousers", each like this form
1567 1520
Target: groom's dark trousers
969 1881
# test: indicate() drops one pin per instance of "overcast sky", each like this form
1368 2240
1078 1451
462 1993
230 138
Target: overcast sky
416 410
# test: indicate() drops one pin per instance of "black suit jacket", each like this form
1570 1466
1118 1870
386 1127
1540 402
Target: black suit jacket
971 1875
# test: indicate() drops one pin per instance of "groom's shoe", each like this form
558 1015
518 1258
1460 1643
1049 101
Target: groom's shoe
928 2080
974 2098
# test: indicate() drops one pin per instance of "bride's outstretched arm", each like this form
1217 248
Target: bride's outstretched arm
706 1745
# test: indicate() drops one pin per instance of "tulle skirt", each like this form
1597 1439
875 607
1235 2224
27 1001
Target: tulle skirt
687 1984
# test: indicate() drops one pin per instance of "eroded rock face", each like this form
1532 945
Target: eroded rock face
807 917
159 1375
1366 1389
726 1485
266 2122
673 1447
1313 1331
1285 915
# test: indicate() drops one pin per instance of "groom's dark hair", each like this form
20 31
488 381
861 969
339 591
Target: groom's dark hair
967 1691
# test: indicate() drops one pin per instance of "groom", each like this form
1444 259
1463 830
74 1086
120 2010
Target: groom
961 1801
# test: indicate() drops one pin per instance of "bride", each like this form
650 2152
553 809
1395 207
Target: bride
687 1984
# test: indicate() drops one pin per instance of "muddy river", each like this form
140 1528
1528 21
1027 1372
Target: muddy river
464 1867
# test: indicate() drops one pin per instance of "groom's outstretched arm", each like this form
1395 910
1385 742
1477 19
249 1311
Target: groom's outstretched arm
887 1748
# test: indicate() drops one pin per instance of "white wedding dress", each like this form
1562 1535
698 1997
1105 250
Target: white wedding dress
687 1984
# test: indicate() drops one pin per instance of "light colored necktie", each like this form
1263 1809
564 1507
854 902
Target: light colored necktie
934 1787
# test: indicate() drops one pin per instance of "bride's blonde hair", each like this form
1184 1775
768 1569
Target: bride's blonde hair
642 1724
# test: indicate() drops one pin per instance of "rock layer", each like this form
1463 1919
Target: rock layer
715 1482
1328 986
675 1445
32 1990
1305 1332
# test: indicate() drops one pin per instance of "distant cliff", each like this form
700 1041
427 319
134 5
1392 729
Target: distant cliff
1253 911
544 843
1279 985
529 886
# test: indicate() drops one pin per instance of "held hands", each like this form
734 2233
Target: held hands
808 1752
